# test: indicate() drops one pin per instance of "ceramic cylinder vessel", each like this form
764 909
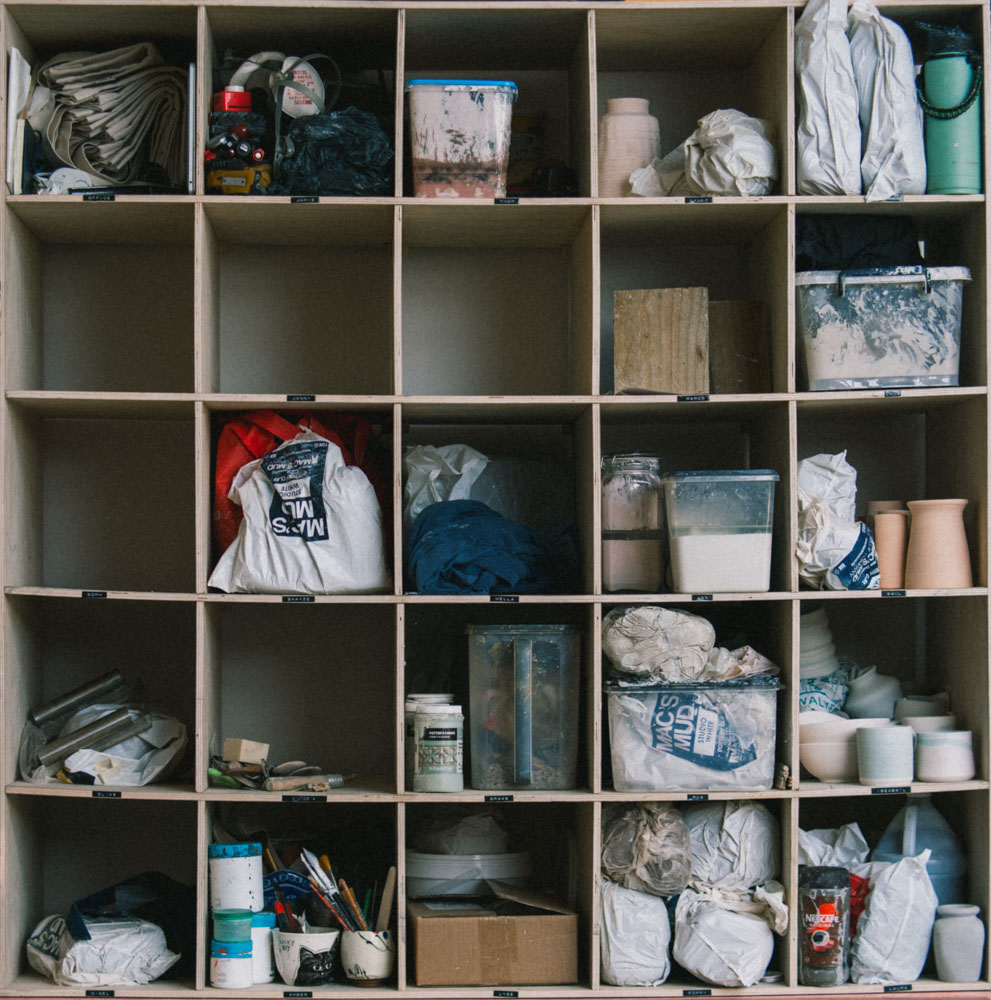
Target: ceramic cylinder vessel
944 756
367 956
629 138
885 755
891 541
958 943
872 695
938 557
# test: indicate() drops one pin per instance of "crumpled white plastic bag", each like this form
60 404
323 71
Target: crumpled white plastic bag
120 951
646 847
828 134
720 946
657 643
893 160
734 844
893 933
316 530
475 833
635 936
842 847
439 473
731 664
729 153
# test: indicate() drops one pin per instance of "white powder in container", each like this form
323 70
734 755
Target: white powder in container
721 563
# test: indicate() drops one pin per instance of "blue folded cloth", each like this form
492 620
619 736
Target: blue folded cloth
465 547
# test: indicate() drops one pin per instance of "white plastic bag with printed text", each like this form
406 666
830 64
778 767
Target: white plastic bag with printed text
312 525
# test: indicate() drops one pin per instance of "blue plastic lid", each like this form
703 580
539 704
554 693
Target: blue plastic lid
234 850
263 918
505 84
230 949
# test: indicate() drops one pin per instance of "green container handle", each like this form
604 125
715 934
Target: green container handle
974 59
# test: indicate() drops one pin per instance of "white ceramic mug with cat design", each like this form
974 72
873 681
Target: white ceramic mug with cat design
306 959
367 956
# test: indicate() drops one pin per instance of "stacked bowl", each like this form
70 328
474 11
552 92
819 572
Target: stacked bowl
827 745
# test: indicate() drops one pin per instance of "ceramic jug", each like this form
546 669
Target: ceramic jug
629 138
958 943
872 695
938 557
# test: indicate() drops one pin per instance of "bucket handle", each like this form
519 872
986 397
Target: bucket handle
522 712
908 830
905 271
974 59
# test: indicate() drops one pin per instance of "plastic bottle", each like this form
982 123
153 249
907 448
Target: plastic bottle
917 826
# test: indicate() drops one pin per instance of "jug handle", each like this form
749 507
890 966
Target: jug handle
523 763
908 831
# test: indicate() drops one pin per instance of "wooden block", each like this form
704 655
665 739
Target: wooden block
739 357
246 751
661 340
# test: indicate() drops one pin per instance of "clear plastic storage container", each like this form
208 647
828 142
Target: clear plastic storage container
523 714
719 527
459 137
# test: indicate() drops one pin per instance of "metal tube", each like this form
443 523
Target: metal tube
77 698
61 748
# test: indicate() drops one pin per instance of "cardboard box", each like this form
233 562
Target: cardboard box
517 937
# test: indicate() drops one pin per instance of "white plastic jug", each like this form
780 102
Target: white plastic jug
919 825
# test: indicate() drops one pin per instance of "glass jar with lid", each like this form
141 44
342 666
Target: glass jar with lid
632 523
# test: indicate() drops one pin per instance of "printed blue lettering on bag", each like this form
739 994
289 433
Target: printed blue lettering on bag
685 726
296 473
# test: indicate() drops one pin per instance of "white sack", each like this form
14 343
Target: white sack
828 136
730 154
734 844
435 474
120 951
893 160
833 480
657 643
312 525
893 934
720 946
635 936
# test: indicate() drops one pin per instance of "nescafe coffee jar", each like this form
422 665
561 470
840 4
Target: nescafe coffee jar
824 905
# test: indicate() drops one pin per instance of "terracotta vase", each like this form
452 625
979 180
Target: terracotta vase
891 541
629 138
938 557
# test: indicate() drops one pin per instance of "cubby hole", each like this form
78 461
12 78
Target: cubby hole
691 436
298 299
92 846
104 496
661 745
688 65
545 53
735 252
292 676
436 649
496 301
907 449
65 643
100 297
536 476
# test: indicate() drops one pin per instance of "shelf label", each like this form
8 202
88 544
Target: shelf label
304 199
697 797
507 201
698 397
899 988
701 597
94 593
298 599
99 197
699 200
892 593
892 393
696 993
297 993
504 598
891 790
498 798
99 793
304 798
300 397
505 993
99 993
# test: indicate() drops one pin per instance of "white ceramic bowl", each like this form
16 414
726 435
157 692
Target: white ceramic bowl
836 729
929 723
830 761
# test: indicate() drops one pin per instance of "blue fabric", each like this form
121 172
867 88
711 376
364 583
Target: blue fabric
465 547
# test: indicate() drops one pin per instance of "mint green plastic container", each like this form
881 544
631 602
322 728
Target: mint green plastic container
951 90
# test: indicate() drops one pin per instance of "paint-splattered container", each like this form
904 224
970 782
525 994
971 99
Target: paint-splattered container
459 137
895 326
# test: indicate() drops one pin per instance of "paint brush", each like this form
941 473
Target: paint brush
348 893
330 906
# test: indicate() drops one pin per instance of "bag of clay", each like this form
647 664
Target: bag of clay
893 156
312 525
893 932
649 643
835 552
828 134
734 844
719 946
646 847
442 473
635 937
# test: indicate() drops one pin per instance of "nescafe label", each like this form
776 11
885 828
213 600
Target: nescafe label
823 916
